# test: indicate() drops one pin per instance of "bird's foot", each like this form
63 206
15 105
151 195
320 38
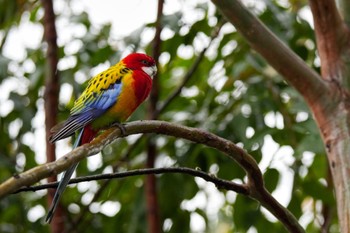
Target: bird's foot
121 127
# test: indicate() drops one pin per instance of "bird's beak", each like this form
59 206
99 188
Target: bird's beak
154 71
151 71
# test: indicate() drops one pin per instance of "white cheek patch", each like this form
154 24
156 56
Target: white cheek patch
151 71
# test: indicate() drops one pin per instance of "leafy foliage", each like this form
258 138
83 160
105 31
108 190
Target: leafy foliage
234 93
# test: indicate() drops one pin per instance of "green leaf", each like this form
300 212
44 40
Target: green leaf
271 178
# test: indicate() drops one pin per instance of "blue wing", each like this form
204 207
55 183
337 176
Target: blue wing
87 110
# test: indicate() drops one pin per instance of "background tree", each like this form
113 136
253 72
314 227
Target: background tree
210 78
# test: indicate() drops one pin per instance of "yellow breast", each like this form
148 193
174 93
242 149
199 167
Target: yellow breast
126 102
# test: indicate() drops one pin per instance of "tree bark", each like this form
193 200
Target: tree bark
51 98
332 36
153 218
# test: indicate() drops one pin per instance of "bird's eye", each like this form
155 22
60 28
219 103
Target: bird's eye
145 62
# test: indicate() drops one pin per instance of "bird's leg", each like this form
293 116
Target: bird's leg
121 127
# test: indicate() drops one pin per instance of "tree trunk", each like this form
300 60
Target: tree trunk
333 119
153 216
51 97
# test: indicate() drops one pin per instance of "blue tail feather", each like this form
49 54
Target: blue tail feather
63 183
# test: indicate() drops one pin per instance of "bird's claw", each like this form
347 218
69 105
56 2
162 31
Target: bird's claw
121 127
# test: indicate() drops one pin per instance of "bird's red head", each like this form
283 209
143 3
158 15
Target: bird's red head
140 61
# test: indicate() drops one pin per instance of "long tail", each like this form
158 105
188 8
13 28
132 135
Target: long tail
63 182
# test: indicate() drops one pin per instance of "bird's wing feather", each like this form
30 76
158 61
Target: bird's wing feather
87 108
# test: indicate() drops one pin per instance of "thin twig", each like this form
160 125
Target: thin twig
154 96
189 74
219 183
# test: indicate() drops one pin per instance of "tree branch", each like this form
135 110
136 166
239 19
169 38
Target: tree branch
278 55
219 183
255 182
332 36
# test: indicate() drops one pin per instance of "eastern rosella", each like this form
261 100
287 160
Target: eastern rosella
110 98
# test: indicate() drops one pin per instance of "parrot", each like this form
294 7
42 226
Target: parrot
109 99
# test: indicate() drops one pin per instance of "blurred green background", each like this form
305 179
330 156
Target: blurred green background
233 93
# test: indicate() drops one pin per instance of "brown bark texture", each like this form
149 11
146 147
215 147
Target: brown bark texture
153 218
333 118
51 97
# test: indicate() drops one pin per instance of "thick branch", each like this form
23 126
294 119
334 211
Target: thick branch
255 181
219 183
278 55
332 36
